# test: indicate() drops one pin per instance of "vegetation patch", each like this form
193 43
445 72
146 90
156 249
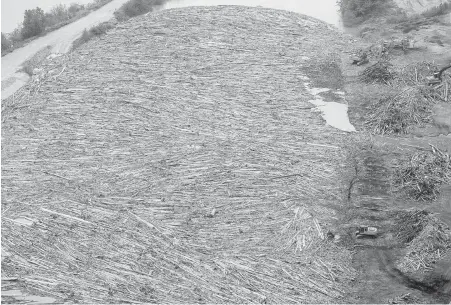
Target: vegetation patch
6 43
134 8
355 12
128 10
97 30
34 62
421 175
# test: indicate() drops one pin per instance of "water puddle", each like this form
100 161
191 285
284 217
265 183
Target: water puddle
335 114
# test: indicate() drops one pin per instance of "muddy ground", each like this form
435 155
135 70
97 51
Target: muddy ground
369 199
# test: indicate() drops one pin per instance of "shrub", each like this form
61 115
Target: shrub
28 69
34 62
6 43
60 13
74 8
34 23
85 36
97 4
134 8
16 35
97 30
101 29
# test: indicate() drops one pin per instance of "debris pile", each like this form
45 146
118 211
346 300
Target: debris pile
424 76
421 176
397 112
162 164
380 72
428 240
412 99
409 224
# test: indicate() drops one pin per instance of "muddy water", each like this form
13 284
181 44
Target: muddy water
325 10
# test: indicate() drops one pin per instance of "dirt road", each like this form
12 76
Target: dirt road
60 40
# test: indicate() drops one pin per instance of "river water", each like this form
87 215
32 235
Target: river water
325 10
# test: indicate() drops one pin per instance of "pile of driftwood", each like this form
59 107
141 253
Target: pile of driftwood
381 72
428 241
409 224
399 111
421 75
173 160
412 96
421 176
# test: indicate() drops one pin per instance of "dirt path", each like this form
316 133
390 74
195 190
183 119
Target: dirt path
379 281
60 40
